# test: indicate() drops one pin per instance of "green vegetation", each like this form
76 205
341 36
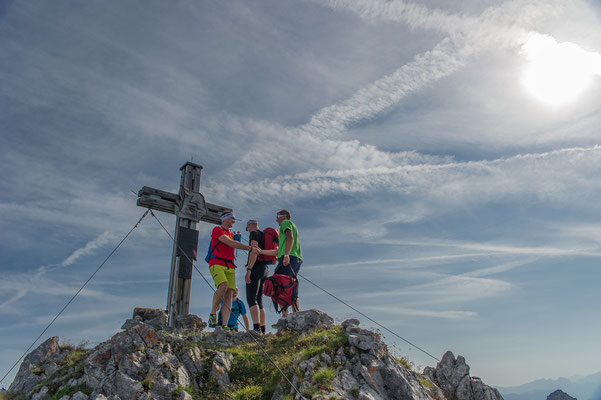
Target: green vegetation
68 390
148 381
426 382
355 392
72 366
404 361
250 392
37 370
310 391
13 396
253 376
323 377
177 392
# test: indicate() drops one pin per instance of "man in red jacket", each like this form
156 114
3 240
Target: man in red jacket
222 267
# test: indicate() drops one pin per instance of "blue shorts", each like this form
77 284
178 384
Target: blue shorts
289 270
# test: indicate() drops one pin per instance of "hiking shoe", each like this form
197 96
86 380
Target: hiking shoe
274 326
212 321
226 328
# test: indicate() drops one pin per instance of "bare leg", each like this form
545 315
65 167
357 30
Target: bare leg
254 313
218 296
262 317
226 310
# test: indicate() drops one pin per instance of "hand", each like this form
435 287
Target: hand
247 277
286 260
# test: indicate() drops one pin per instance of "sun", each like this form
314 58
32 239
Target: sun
557 73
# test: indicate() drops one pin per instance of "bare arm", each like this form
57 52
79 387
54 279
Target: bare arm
289 242
232 243
253 255
246 322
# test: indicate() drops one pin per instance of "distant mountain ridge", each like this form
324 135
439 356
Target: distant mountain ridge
582 388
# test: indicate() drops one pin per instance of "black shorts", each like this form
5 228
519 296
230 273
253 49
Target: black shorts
254 289
290 269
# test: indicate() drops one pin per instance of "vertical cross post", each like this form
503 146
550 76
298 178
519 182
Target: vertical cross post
190 208
186 232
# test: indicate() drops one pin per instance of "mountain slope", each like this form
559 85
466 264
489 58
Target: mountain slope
319 360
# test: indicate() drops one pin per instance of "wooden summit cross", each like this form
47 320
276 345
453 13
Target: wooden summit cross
190 208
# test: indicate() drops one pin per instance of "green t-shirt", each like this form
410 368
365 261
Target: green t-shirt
296 248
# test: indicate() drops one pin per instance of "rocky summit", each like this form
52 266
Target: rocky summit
315 359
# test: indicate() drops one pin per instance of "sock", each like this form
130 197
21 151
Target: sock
263 328
256 327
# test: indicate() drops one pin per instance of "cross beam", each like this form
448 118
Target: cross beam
190 207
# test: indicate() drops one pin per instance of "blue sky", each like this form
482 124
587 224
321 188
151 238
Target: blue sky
433 188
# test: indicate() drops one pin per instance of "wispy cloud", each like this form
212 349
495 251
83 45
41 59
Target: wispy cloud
548 176
395 310
455 289
89 248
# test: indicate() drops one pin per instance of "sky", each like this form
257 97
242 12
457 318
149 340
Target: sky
440 159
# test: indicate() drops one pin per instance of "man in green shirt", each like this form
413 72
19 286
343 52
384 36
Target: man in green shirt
289 254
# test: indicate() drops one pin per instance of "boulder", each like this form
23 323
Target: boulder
190 322
154 317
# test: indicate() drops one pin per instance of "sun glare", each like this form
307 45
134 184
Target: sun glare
558 73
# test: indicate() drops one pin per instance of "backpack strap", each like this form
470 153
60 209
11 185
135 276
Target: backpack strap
219 258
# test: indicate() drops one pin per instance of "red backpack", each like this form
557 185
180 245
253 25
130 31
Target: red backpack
271 237
283 290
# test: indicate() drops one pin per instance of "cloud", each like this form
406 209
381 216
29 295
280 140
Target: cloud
559 176
45 281
395 310
455 289
488 248
89 248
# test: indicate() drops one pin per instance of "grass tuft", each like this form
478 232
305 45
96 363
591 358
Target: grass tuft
249 392
323 377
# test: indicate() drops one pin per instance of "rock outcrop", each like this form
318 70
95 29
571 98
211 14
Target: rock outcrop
318 359
453 377
560 395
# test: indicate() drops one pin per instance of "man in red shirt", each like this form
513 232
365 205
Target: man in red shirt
222 267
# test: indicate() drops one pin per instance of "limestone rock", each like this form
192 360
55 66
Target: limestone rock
452 376
220 369
191 322
149 361
304 321
41 394
154 317
560 395
26 378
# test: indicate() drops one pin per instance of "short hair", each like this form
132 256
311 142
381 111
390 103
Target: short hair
284 212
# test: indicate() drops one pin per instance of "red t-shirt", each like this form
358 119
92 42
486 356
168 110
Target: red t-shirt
222 250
